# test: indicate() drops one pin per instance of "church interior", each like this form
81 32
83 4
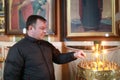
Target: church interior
91 26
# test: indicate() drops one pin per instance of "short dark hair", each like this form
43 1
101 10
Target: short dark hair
32 20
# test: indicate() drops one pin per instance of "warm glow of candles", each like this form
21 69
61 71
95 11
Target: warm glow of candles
99 68
99 62
96 55
93 48
104 51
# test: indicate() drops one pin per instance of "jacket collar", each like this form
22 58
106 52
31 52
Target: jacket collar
31 39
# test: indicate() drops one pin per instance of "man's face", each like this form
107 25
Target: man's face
39 31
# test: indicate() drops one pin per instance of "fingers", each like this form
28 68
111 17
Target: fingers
79 54
83 54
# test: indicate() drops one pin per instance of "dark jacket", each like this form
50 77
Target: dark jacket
32 59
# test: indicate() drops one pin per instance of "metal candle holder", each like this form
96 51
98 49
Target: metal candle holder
98 68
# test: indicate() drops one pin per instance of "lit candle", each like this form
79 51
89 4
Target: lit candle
104 52
97 60
104 55
93 49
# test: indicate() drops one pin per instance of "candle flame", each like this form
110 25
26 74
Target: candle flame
96 54
104 51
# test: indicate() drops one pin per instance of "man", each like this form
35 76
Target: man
32 58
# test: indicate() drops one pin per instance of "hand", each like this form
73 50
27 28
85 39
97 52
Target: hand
79 54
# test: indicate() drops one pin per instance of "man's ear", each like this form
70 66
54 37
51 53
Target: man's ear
30 27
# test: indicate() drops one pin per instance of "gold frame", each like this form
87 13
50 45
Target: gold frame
2 18
2 24
15 28
113 33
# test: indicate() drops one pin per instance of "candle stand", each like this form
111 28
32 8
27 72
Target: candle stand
99 68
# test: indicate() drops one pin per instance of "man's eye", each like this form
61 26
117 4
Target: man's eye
43 28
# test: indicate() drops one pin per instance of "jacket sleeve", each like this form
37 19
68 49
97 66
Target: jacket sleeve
13 65
61 58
